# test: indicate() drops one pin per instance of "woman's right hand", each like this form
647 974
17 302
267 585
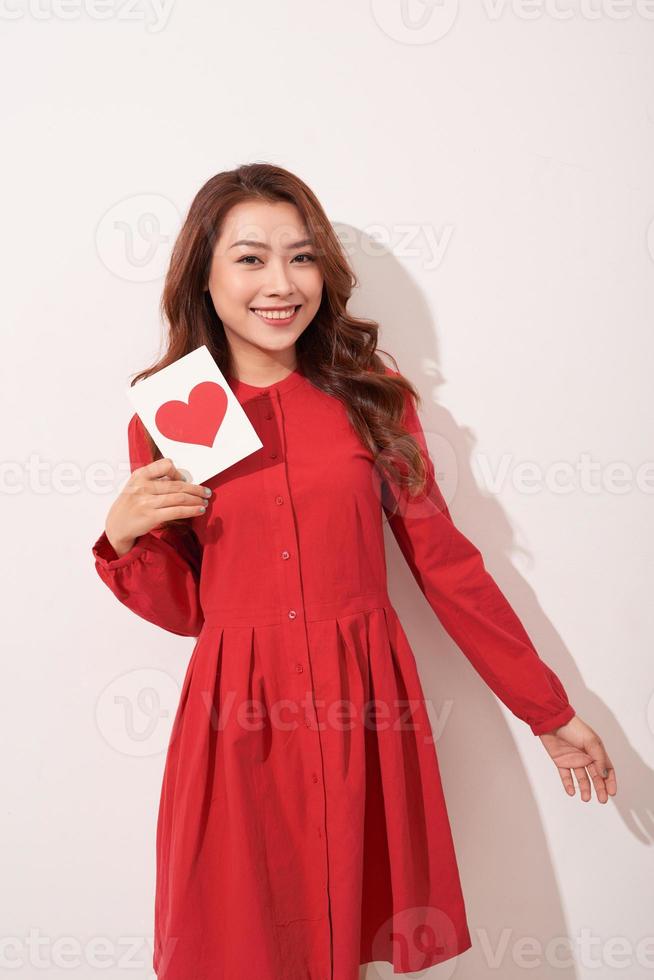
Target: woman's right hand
153 494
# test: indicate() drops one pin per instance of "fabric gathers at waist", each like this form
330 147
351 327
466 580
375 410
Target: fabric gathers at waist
312 611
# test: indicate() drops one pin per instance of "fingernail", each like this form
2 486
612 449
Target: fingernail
207 491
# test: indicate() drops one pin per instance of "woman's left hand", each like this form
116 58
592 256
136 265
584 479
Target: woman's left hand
576 747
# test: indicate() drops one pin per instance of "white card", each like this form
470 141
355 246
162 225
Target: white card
194 416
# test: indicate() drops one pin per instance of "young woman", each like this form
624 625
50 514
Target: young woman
302 827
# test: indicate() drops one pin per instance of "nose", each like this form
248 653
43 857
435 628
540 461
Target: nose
279 280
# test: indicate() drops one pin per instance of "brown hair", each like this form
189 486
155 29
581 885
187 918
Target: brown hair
337 352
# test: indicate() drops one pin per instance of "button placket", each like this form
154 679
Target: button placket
284 534
295 639
271 436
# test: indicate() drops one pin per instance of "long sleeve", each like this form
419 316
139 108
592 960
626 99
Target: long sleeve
158 578
451 573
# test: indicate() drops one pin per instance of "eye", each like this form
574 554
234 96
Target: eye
304 255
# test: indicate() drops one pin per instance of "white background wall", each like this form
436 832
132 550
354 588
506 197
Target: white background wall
504 153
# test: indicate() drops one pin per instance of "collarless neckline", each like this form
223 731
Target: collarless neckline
286 384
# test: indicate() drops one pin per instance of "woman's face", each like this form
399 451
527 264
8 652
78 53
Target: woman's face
263 261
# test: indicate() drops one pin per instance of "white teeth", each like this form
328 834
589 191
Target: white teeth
276 314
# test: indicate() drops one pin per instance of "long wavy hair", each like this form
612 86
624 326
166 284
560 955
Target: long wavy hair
337 352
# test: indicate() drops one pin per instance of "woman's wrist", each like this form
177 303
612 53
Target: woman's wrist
120 545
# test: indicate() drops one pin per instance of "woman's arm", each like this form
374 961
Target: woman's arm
451 573
158 578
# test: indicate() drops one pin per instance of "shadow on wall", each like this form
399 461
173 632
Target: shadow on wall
507 874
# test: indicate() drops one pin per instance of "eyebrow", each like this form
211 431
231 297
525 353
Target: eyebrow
254 244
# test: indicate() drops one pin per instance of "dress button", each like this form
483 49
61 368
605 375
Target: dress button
269 415
299 668
273 455
314 777
279 500
285 554
292 614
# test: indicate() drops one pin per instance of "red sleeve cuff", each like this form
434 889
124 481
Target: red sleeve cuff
105 554
555 721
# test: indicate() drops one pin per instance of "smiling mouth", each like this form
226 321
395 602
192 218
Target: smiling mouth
283 314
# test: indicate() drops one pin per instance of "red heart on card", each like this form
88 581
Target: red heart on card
197 420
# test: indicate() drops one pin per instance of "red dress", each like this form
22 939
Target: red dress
302 827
